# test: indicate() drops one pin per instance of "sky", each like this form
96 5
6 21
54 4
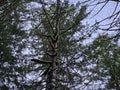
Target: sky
105 12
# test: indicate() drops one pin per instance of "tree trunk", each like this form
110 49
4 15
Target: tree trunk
52 75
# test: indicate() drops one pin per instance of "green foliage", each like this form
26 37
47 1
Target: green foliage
104 52
67 47
74 63
11 36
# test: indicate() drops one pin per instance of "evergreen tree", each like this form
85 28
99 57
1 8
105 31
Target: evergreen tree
59 22
103 54
11 44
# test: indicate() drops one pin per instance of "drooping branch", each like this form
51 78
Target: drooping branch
41 61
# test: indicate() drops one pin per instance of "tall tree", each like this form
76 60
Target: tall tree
59 22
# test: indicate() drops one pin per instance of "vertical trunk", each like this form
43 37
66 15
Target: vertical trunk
51 78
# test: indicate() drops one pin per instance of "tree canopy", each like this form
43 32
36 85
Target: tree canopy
42 45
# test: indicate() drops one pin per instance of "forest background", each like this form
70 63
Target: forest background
59 45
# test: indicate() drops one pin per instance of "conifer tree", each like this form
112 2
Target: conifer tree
10 47
103 55
59 22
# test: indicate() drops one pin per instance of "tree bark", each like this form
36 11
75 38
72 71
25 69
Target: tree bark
51 82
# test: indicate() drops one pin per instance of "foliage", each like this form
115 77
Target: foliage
104 54
11 44
67 47
55 39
